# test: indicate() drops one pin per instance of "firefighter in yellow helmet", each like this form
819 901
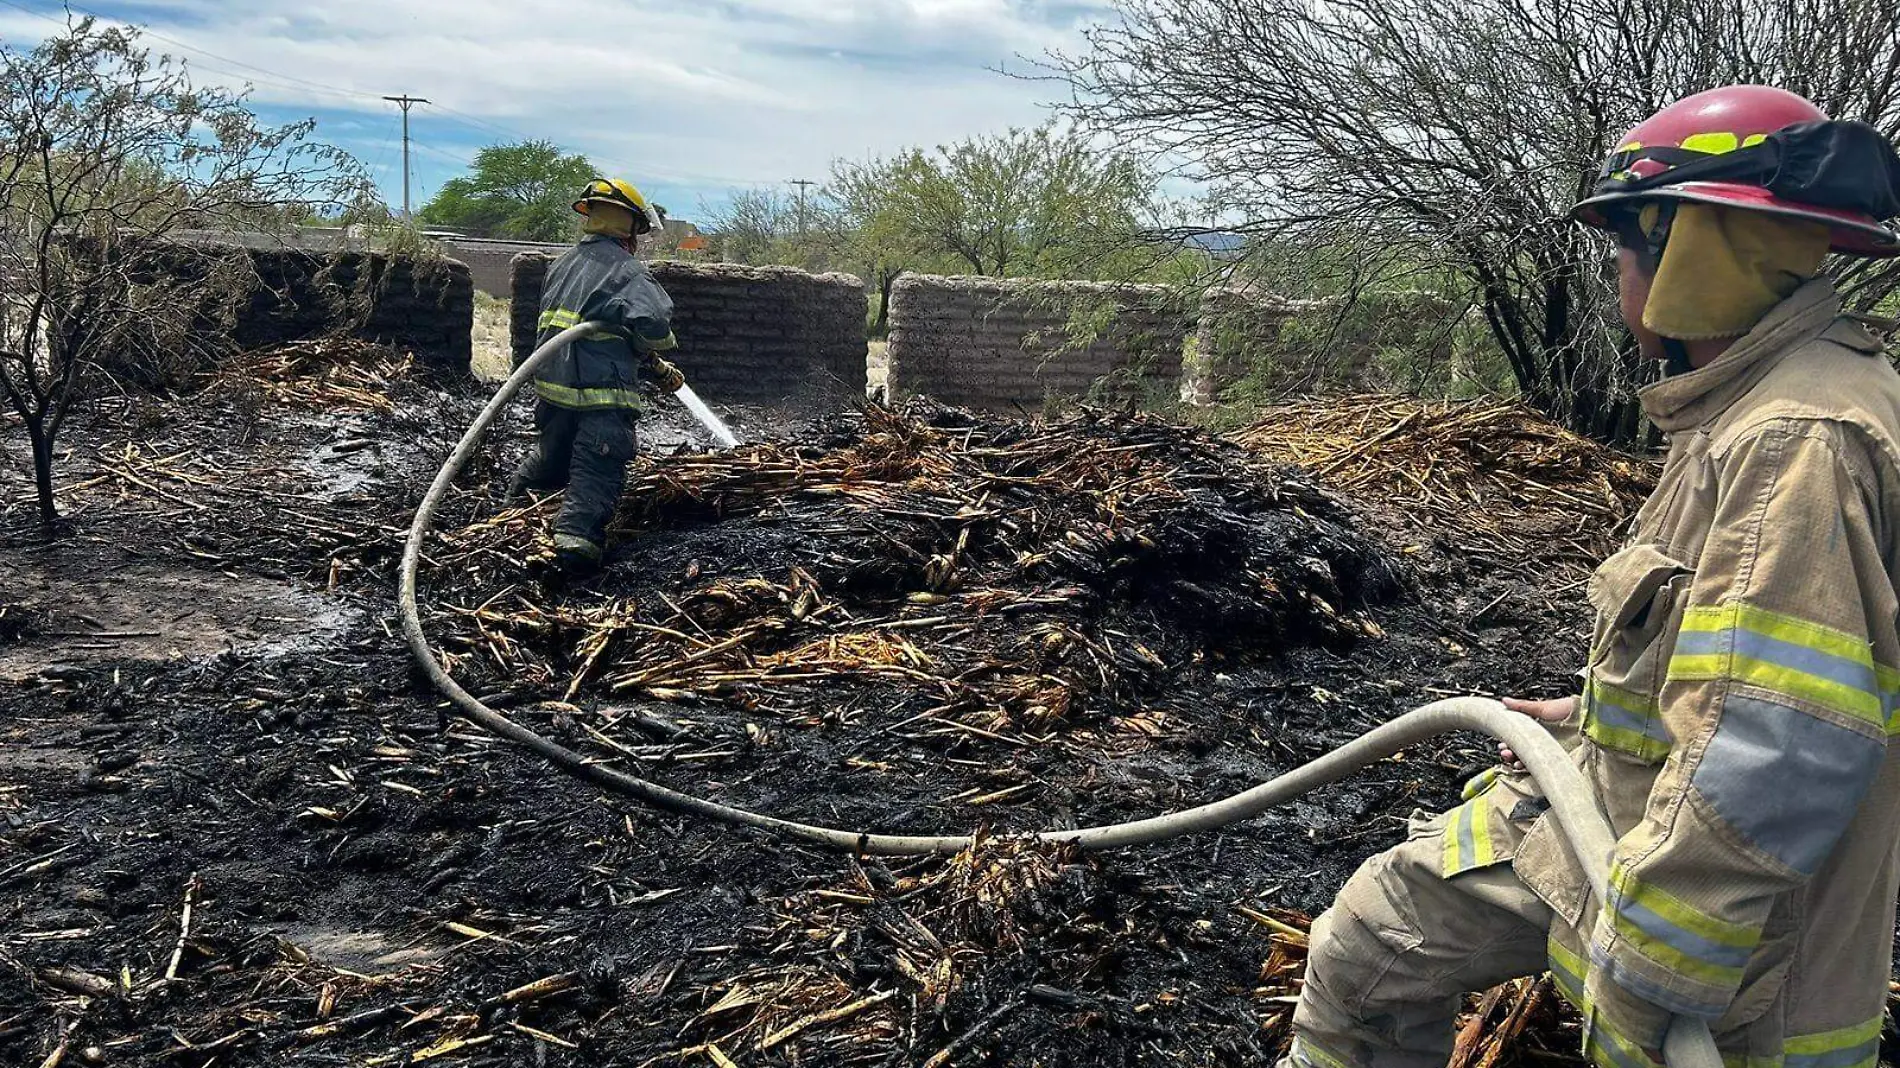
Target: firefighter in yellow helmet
588 397
1744 671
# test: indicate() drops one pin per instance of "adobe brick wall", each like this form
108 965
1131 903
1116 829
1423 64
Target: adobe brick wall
1005 343
755 334
1243 332
1237 326
424 304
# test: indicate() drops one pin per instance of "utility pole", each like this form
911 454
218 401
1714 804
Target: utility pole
405 100
802 184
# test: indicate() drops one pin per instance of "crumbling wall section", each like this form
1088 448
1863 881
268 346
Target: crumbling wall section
760 334
425 304
1287 346
1010 343
527 272
1237 328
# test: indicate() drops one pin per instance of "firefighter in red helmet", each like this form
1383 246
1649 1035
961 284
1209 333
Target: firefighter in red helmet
1743 678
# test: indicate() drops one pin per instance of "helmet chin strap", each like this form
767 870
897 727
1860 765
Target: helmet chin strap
1675 358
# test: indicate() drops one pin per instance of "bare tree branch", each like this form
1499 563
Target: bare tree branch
1458 136
106 153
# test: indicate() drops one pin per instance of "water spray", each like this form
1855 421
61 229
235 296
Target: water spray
706 416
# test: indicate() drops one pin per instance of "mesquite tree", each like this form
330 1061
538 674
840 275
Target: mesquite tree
1453 138
106 154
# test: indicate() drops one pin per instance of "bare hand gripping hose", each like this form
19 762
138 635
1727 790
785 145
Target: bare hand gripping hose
1688 1045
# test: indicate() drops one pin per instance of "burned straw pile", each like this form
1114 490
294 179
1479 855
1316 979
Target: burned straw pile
928 621
915 577
1493 480
322 374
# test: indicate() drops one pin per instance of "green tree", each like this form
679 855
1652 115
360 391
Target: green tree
524 190
1045 202
1041 203
766 226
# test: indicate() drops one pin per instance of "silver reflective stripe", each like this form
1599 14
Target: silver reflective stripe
1616 715
1788 782
1654 993
1802 658
1681 939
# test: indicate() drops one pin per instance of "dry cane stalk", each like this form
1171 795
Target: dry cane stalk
184 928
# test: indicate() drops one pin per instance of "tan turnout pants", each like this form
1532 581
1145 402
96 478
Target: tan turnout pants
1392 959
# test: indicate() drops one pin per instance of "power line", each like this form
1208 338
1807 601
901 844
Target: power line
484 124
281 81
459 160
382 150
261 76
271 77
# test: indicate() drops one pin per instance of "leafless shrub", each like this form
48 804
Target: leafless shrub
105 153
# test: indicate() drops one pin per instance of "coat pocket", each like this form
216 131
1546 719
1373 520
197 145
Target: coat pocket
1638 595
1545 864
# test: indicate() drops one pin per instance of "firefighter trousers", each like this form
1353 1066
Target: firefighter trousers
1392 959
585 453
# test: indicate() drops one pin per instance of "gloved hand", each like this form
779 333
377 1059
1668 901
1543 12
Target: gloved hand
667 375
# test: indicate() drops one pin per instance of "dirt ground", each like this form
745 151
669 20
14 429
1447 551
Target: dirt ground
236 829
494 352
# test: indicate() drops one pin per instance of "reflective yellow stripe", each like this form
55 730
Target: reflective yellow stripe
1307 1055
1468 838
1567 971
1481 833
1848 1047
587 399
1678 936
1789 655
1624 720
1454 858
1679 912
1480 783
1608 1049
1713 143
559 319
1602 1045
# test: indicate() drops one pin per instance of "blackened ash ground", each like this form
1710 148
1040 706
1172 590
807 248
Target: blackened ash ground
1088 636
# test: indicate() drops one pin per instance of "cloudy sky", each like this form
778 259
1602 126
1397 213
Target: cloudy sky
688 98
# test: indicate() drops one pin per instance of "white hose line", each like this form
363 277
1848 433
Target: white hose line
1689 1044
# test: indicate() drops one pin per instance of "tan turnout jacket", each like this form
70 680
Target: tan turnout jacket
1742 685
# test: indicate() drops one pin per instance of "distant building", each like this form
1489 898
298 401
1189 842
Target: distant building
682 236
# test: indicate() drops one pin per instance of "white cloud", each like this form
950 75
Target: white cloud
706 93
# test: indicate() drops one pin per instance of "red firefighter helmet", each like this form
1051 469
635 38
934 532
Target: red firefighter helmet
1737 119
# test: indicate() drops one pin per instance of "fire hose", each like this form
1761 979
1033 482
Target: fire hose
1687 1045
